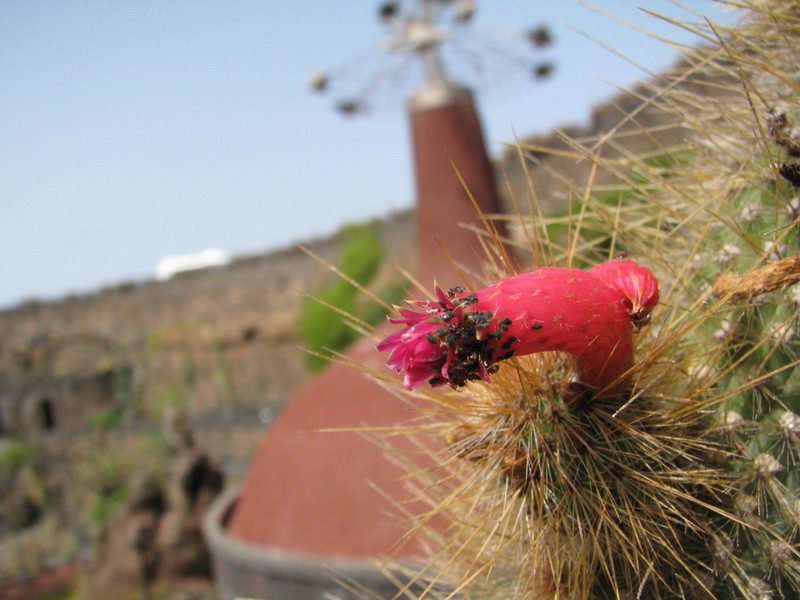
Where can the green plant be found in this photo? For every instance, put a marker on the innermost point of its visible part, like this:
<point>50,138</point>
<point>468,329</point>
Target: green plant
<point>321,324</point>
<point>222,377</point>
<point>14,454</point>
<point>108,419</point>
<point>174,394</point>
<point>105,504</point>
<point>361,253</point>
<point>393,294</point>
<point>154,340</point>
<point>103,474</point>
<point>322,327</point>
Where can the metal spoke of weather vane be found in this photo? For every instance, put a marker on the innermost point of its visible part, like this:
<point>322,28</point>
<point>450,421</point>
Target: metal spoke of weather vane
<point>430,41</point>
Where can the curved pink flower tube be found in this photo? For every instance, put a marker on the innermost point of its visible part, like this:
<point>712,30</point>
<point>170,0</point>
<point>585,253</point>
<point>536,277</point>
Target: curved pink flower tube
<point>589,314</point>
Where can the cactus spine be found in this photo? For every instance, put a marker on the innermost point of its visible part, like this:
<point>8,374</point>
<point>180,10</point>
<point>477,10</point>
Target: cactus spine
<point>685,483</point>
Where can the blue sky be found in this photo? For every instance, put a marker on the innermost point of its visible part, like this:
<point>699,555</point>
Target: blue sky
<point>131,130</point>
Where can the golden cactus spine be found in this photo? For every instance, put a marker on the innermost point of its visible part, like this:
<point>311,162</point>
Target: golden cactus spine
<point>685,484</point>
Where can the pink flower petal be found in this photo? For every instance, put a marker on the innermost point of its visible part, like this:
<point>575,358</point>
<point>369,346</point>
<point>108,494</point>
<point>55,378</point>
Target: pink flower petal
<point>590,314</point>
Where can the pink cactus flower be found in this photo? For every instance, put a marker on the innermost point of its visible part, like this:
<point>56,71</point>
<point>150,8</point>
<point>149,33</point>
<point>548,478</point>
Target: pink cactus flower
<point>589,314</point>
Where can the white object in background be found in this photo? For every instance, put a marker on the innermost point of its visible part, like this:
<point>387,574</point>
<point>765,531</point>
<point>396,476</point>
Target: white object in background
<point>169,266</point>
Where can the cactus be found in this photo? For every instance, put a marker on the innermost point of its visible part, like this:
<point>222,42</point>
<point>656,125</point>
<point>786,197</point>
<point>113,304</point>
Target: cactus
<point>681,479</point>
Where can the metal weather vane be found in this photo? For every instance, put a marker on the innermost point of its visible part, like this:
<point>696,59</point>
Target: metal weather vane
<point>427,41</point>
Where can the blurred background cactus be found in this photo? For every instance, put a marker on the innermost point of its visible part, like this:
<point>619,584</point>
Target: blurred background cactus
<point>320,325</point>
<point>685,485</point>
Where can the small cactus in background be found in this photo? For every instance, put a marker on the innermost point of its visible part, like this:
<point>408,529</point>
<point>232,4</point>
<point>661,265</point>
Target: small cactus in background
<point>670,469</point>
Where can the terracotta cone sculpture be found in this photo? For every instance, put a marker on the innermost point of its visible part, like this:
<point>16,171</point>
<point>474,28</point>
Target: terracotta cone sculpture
<point>317,489</point>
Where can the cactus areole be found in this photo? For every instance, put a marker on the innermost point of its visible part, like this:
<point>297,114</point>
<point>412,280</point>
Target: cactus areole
<point>591,315</point>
